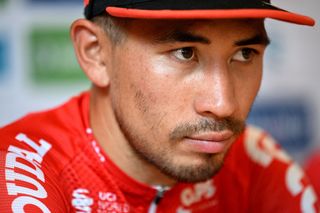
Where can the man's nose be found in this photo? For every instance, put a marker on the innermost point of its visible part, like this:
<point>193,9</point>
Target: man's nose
<point>217,96</point>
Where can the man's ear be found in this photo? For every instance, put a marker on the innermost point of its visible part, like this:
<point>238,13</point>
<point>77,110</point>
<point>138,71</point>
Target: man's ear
<point>91,46</point>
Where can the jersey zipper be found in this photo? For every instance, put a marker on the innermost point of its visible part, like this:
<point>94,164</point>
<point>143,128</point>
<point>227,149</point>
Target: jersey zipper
<point>160,191</point>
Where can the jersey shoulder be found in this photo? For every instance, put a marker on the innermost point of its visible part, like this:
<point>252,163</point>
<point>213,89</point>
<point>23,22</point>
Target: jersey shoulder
<point>33,152</point>
<point>267,174</point>
<point>312,166</point>
<point>63,127</point>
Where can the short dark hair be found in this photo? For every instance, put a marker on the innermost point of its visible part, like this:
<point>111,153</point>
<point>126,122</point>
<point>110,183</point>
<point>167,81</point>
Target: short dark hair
<point>112,26</point>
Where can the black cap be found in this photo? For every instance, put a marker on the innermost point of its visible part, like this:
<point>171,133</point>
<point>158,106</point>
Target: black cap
<point>192,9</point>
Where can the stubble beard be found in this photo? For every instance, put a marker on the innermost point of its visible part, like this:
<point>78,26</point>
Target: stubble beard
<point>163,159</point>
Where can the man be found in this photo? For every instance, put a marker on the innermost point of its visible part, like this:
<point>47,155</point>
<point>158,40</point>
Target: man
<point>163,127</point>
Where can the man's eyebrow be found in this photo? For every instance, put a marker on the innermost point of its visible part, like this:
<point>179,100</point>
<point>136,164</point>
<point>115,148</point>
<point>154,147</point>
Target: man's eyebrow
<point>262,39</point>
<point>185,36</point>
<point>181,36</point>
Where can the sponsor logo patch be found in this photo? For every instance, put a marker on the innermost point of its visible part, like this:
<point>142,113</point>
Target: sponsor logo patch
<point>24,177</point>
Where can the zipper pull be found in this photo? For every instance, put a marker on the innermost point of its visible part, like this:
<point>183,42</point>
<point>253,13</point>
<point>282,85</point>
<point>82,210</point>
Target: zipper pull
<point>160,191</point>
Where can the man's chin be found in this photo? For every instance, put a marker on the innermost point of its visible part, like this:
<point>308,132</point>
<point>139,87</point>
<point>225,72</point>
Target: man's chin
<point>195,173</point>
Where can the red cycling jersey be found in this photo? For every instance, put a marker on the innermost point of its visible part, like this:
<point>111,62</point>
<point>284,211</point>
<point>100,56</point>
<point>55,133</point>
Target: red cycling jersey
<point>312,168</point>
<point>51,162</point>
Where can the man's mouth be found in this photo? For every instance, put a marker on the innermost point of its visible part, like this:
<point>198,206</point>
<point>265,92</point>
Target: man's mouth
<point>208,142</point>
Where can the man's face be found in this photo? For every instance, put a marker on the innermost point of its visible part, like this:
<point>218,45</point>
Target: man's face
<point>181,91</point>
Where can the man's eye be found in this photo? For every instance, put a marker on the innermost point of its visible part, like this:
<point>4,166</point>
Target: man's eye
<point>184,54</point>
<point>244,55</point>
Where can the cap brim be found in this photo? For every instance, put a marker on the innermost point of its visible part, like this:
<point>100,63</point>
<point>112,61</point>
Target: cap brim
<point>211,14</point>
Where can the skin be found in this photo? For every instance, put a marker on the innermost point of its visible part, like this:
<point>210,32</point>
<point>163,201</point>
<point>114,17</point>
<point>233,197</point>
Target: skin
<point>158,94</point>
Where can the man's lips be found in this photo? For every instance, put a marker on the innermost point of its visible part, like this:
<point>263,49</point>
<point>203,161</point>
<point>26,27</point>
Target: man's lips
<point>211,142</point>
<point>212,136</point>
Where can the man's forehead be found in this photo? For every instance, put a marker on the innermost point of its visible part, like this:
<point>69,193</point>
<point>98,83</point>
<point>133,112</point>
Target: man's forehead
<point>194,24</point>
<point>163,31</point>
